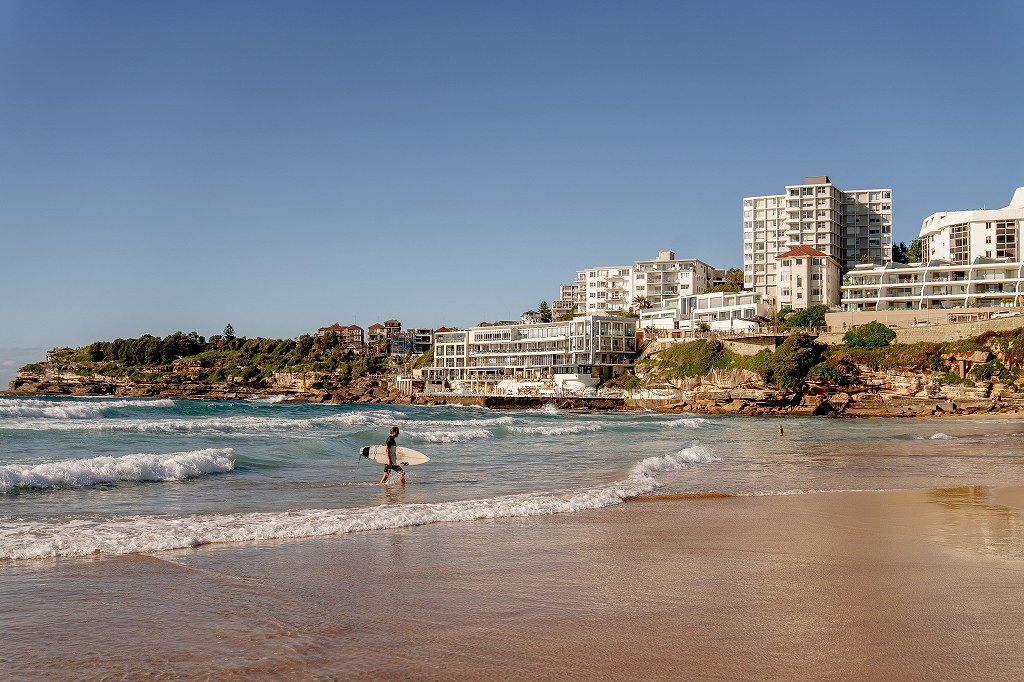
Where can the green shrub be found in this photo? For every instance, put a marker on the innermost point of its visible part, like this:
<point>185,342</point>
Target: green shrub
<point>811,317</point>
<point>870,335</point>
<point>793,359</point>
<point>835,372</point>
<point>693,359</point>
<point>627,382</point>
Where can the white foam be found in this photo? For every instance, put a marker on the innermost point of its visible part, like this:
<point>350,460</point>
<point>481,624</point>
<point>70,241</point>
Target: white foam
<point>566,430</point>
<point>448,436</point>
<point>689,422</point>
<point>936,436</point>
<point>143,467</point>
<point>270,400</point>
<point>77,409</point>
<point>126,535</point>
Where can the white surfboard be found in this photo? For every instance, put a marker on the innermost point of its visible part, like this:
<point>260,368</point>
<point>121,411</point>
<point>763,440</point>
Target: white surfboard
<point>406,457</point>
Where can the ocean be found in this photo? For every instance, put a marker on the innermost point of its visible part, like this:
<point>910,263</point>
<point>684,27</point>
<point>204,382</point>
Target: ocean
<point>94,477</point>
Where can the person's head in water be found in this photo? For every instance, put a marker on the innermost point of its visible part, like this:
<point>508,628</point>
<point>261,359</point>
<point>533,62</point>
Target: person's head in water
<point>394,430</point>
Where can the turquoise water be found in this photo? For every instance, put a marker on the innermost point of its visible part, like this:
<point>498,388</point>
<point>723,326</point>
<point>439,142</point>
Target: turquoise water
<point>114,476</point>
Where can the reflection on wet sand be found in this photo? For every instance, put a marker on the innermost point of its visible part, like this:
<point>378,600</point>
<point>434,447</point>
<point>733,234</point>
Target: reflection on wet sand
<point>978,519</point>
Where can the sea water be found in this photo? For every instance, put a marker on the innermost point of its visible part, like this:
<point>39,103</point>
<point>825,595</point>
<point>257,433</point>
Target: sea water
<point>101,476</point>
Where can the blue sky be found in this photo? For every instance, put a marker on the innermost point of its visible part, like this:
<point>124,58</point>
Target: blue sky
<point>286,165</point>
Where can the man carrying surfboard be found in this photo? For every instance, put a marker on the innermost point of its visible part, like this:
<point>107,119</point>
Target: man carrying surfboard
<point>391,465</point>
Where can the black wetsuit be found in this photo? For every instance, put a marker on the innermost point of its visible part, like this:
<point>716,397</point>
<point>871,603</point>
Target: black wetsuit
<point>390,443</point>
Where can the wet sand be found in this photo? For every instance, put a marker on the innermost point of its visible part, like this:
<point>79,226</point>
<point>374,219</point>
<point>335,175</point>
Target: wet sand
<point>875,585</point>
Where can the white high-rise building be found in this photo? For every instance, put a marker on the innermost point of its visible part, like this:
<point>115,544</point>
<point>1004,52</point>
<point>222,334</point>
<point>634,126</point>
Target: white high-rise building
<point>851,226</point>
<point>614,289</point>
<point>970,259</point>
<point>666,277</point>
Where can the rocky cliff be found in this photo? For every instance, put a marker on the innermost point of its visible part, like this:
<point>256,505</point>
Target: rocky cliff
<point>303,387</point>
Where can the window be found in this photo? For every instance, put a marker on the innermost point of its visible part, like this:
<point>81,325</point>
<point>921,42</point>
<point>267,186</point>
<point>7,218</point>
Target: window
<point>799,261</point>
<point>959,243</point>
<point>1006,239</point>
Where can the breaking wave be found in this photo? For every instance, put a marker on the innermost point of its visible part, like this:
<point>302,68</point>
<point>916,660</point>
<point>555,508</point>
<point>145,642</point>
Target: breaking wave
<point>79,409</point>
<point>689,422</point>
<point>126,535</point>
<point>555,430</point>
<point>448,436</point>
<point>76,473</point>
<point>936,436</point>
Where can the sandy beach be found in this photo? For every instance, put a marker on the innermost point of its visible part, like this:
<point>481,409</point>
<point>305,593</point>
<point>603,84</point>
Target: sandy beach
<point>925,584</point>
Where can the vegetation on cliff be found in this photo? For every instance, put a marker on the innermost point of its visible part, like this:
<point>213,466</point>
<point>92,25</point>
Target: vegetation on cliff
<point>799,359</point>
<point>179,357</point>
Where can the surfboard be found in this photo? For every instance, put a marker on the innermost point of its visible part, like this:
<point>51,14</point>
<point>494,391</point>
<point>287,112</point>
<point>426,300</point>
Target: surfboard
<point>406,457</point>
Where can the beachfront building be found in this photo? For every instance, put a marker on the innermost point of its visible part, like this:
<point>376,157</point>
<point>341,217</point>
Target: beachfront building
<point>568,299</point>
<point>576,353</point>
<point>666,277</point>
<point>971,259</point>
<point>721,311</point>
<point>807,277</point>
<point>615,289</point>
<point>414,341</point>
<point>850,226</point>
<point>604,289</point>
<point>350,337</point>
<point>732,311</point>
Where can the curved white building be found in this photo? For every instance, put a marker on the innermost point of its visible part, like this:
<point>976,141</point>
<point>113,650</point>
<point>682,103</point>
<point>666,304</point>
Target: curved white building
<point>971,259</point>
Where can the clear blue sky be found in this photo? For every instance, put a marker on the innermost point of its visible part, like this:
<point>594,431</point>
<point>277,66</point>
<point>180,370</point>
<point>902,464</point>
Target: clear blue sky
<point>285,165</point>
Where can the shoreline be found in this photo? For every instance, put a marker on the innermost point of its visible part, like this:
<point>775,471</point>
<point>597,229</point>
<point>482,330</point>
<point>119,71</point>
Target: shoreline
<point>919,584</point>
<point>799,405</point>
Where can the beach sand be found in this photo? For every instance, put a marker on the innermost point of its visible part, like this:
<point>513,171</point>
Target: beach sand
<point>922,585</point>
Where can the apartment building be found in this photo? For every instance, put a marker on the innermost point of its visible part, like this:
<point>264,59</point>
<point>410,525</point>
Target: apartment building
<point>350,337</point>
<point>850,226</point>
<point>807,277</point>
<point>583,350</point>
<point>604,289</point>
<point>567,301</point>
<point>613,289</point>
<point>666,277</point>
<point>722,311</point>
<point>970,259</point>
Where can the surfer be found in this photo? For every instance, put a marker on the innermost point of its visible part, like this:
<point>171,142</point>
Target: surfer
<point>391,466</point>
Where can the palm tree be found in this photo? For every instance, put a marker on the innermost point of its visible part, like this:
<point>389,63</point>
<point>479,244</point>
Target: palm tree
<point>641,302</point>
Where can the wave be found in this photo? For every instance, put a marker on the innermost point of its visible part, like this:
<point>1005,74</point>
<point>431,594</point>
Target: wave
<point>555,430</point>
<point>143,467</point>
<point>448,436</point>
<point>78,409</point>
<point>689,422</point>
<point>935,436</point>
<point>127,535</point>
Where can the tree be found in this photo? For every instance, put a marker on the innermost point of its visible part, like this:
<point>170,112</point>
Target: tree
<point>901,253</point>
<point>641,302</point>
<point>811,317</point>
<point>914,254</point>
<point>788,366</point>
<point>544,311</point>
<point>229,332</point>
<point>870,335</point>
<point>733,281</point>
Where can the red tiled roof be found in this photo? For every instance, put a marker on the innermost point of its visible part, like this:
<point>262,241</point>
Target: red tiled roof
<point>376,325</point>
<point>802,250</point>
<point>443,329</point>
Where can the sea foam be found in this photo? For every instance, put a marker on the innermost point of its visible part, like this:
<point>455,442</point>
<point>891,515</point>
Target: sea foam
<point>126,535</point>
<point>79,409</point>
<point>143,467</point>
<point>564,430</point>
